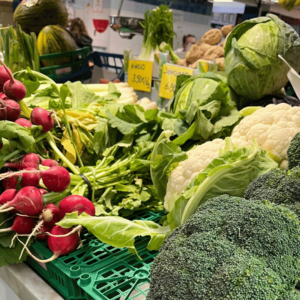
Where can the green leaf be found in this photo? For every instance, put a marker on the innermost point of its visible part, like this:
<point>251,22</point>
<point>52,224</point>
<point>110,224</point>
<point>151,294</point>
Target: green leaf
<point>165,156</point>
<point>118,232</point>
<point>112,94</point>
<point>11,255</point>
<point>17,135</point>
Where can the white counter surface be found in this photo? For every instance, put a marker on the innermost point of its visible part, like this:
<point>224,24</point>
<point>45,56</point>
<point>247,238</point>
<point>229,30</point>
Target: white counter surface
<point>24,284</point>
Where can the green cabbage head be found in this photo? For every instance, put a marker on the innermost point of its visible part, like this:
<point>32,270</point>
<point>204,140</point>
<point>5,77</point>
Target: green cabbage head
<point>251,56</point>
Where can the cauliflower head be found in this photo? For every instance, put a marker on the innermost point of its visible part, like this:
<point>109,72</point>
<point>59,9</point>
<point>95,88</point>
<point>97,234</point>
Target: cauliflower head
<point>273,128</point>
<point>198,159</point>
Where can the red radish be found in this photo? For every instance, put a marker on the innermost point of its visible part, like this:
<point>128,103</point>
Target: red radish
<point>30,179</point>
<point>10,183</point>
<point>23,122</point>
<point>76,203</point>
<point>1,146</point>
<point>21,225</point>
<point>28,201</point>
<point>12,88</point>
<point>43,192</point>
<point>9,110</point>
<point>42,117</point>
<point>8,195</point>
<point>2,95</point>
<point>42,234</point>
<point>56,179</point>
<point>30,160</point>
<point>49,163</point>
<point>59,245</point>
<point>50,215</point>
<point>3,77</point>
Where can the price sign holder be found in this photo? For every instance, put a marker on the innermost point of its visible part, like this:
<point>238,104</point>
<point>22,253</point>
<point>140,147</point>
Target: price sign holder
<point>140,75</point>
<point>168,79</point>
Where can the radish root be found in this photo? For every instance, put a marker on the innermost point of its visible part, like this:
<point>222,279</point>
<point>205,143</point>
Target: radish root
<point>5,210</point>
<point>8,219</point>
<point>35,258</point>
<point>11,174</point>
<point>36,228</point>
<point>77,228</point>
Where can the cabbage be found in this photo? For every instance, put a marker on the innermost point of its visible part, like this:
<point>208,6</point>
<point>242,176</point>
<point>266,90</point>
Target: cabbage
<point>251,56</point>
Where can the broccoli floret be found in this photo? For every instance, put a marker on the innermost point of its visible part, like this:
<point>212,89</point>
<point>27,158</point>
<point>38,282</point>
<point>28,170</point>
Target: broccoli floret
<point>231,248</point>
<point>293,153</point>
<point>280,187</point>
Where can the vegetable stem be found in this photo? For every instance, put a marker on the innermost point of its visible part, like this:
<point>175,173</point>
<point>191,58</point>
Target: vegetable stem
<point>61,156</point>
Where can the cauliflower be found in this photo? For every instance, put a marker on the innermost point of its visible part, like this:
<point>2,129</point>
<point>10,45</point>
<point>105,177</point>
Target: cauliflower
<point>198,159</point>
<point>273,128</point>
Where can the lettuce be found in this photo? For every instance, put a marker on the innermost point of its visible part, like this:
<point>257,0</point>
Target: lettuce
<point>229,173</point>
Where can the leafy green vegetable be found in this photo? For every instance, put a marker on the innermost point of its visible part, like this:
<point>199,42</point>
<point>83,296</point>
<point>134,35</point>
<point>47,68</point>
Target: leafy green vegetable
<point>231,172</point>
<point>117,231</point>
<point>158,28</point>
<point>206,107</point>
<point>251,57</point>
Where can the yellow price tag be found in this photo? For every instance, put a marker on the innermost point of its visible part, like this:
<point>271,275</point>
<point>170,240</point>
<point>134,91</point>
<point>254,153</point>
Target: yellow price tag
<point>168,79</point>
<point>140,75</point>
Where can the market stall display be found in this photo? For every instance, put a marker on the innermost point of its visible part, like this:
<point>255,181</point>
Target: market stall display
<point>89,172</point>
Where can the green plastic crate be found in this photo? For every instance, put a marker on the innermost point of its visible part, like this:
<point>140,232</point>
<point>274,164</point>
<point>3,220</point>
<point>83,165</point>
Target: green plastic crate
<point>125,279</point>
<point>65,273</point>
<point>56,72</point>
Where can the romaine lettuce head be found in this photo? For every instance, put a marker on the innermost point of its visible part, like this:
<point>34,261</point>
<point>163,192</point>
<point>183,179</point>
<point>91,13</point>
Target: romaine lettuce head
<point>251,56</point>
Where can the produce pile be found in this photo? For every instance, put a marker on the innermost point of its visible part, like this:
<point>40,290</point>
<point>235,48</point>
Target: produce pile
<point>210,47</point>
<point>228,179</point>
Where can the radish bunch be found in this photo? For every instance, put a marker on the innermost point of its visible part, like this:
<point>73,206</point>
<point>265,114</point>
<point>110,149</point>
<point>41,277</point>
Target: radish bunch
<point>11,91</point>
<point>62,241</point>
<point>56,178</point>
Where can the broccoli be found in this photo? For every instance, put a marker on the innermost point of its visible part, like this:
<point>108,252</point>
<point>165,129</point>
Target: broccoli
<point>279,186</point>
<point>231,248</point>
<point>293,153</point>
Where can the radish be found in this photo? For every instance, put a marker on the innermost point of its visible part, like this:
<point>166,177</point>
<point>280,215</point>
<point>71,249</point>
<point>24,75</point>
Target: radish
<point>1,146</point>
<point>21,225</point>
<point>9,110</point>
<point>2,95</point>
<point>12,88</point>
<point>30,179</point>
<point>10,183</point>
<point>23,122</point>
<point>43,192</point>
<point>30,160</point>
<point>56,179</point>
<point>42,117</point>
<point>49,163</point>
<point>76,203</point>
<point>50,215</point>
<point>8,195</point>
<point>3,77</point>
<point>48,218</point>
<point>28,201</point>
<point>61,241</point>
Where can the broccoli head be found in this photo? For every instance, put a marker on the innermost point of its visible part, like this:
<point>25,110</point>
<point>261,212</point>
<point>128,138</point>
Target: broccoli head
<point>231,248</point>
<point>293,153</point>
<point>279,186</point>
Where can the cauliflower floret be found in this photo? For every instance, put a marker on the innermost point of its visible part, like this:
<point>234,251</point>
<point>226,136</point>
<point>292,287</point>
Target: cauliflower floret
<point>273,128</point>
<point>198,159</point>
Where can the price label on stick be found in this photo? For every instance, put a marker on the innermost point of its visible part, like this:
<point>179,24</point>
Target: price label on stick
<point>140,75</point>
<point>168,79</point>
